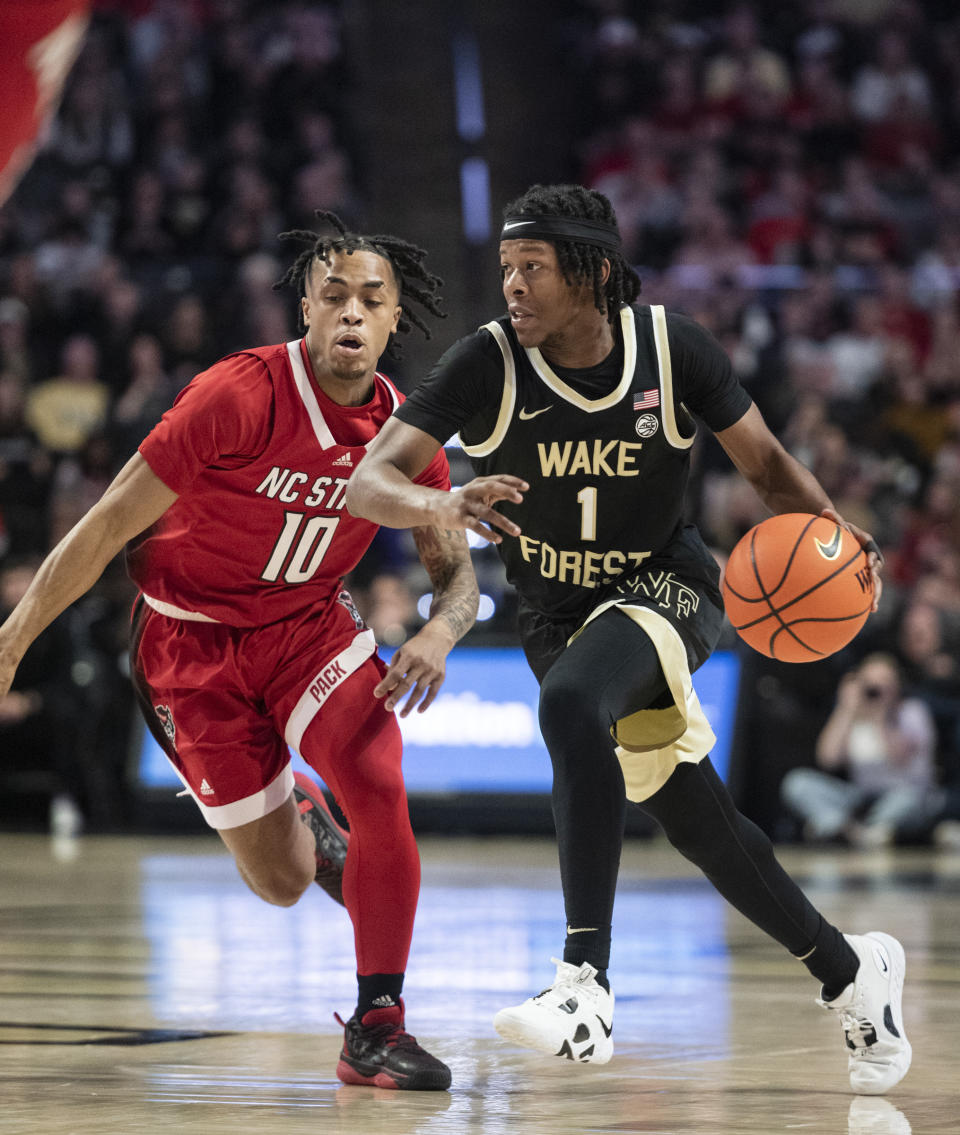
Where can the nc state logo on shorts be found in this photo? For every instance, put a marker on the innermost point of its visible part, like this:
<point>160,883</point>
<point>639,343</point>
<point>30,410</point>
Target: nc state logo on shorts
<point>165,717</point>
<point>345,599</point>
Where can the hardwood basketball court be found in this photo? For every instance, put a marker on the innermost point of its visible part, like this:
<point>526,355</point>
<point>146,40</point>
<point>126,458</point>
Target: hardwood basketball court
<point>143,989</point>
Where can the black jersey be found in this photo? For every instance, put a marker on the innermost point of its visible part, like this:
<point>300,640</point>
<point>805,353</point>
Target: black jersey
<point>606,450</point>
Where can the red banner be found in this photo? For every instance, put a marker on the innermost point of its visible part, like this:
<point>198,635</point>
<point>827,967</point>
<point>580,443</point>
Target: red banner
<point>39,41</point>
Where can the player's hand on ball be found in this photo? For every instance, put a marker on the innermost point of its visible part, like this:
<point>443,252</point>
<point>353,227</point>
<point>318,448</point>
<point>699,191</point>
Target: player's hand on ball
<point>798,587</point>
<point>869,545</point>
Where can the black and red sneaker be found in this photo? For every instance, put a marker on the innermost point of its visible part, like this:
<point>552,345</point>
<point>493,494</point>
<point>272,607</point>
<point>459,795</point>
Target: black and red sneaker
<point>378,1052</point>
<point>331,840</point>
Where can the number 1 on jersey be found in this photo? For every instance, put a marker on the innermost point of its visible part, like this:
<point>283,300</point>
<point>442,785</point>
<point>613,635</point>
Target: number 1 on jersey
<point>588,513</point>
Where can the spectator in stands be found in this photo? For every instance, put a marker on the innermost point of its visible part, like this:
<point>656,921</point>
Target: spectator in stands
<point>712,252</point>
<point>641,191</point>
<point>876,772</point>
<point>856,352</point>
<point>148,394</point>
<point>64,411</point>
<point>25,477</point>
<point>891,75</point>
<point>744,63</point>
<point>927,532</point>
<point>926,659</point>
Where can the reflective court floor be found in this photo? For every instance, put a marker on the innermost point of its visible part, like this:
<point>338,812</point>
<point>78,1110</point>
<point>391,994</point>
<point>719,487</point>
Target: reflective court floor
<point>143,989</point>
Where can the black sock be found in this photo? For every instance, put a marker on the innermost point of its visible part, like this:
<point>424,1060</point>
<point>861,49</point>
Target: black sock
<point>378,991</point>
<point>589,945</point>
<point>832,961</point>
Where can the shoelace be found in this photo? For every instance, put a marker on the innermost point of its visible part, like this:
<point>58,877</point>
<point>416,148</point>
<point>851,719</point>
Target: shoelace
<point>392,1037</point>
<point>857,1029</point>
<point>567,985</point>
<point>367,1037</point>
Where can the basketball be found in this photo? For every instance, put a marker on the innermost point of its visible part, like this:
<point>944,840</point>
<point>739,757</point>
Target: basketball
<point>797,587</point>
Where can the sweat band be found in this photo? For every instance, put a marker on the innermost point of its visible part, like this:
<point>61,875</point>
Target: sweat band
<point>561,228</point>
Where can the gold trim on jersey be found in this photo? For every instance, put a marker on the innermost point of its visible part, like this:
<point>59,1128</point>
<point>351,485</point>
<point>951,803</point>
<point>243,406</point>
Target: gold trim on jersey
<point>670,430</point>
<point>652,742</point>
<point>591,406</point>
<point>553,381</point>
<point>507,401</point>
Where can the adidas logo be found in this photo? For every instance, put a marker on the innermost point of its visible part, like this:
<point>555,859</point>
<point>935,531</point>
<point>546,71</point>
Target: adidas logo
<point>205,789</point>
<point>384,1001</point>
<point>346,459</point>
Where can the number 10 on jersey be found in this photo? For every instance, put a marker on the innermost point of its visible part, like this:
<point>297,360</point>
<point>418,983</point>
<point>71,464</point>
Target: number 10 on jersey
<point>308,542</point>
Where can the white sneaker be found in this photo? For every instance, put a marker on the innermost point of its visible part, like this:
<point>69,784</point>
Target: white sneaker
<point>573,1018</point>
<point>871,1015</point>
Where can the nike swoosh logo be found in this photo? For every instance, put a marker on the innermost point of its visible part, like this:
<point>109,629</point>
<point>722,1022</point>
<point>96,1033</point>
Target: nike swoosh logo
<point>832,550</point>
<point>516,225</point>
<point>526,415</point>
<point>607,1030</point>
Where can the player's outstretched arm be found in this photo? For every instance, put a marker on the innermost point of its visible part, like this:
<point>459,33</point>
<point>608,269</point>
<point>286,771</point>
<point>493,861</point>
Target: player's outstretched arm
<point>382,488</point>
<point>419,665</point>
<point>135,499</point>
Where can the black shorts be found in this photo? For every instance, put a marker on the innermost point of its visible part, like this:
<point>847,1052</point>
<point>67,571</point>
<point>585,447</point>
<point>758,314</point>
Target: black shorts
<point>681,584</point>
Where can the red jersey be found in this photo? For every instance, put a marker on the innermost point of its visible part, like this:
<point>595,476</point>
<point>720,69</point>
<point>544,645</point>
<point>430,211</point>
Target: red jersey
<point>260,458</point>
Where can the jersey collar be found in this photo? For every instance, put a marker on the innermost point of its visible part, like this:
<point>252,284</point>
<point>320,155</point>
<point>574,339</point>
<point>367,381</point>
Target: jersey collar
<point>591,405</point>
<point>308,395</point>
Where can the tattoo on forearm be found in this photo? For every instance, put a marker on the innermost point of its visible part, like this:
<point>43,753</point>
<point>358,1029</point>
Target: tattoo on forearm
<point>445,555</point>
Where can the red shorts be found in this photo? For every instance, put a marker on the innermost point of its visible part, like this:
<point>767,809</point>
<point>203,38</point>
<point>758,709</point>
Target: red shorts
<point>228,703</point>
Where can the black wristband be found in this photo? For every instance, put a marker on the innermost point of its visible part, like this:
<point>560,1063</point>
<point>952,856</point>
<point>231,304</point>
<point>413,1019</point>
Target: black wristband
<point>872,546</point>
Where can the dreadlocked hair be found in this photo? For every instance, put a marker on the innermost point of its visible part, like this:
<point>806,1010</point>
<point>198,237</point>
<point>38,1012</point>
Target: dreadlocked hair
<point>583,263</point>
<point>415,282</point>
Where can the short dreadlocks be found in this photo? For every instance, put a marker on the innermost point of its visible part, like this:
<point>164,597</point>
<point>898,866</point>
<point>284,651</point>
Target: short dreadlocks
<point>582,263</point>
<point>413,280</point>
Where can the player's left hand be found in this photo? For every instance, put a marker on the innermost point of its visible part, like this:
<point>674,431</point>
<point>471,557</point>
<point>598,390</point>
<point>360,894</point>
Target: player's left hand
<point>417,667</point>
<point>869,545</point>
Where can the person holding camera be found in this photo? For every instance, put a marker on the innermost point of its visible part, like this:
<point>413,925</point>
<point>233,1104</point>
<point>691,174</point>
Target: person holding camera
<point>876,774</point>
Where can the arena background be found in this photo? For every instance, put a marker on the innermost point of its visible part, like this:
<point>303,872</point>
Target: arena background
<point>790,178</point>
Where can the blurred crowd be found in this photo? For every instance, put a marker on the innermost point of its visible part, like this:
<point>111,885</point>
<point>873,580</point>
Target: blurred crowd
<point>790,177</point>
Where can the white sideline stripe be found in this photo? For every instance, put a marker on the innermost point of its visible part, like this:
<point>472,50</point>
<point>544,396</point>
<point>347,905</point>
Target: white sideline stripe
<point>250,807</point>
<point>176,612</point>
<point>320,687</point>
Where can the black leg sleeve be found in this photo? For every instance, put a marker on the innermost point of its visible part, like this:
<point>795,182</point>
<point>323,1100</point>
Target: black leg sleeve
<point>611,669</point>
<point>700,819</point>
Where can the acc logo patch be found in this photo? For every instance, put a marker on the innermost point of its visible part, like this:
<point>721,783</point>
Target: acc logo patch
<point>647,425</point>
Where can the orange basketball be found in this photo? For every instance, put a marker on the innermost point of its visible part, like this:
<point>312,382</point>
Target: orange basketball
<point>797,587</point>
